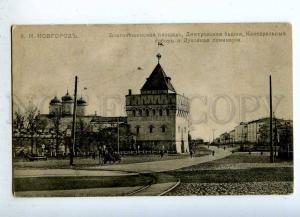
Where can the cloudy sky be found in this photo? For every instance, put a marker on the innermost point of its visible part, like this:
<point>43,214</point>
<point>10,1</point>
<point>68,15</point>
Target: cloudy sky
<point>227,82</point>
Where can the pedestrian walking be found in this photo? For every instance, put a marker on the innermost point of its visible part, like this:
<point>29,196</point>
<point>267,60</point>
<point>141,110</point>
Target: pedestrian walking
<point>213,153</point>
<point>161,154</point>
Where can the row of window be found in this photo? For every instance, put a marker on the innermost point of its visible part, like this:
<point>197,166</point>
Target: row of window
<point>182,113</point>
<point>163,129</point>
<point>152,112</point>
<point>151,102</point>
<point>151,129</point>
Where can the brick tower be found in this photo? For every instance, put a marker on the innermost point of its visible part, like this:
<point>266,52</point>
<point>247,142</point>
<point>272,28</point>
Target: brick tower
<point>158,116</point>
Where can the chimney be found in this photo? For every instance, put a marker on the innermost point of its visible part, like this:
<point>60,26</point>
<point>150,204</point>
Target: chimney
<point>129,91</point>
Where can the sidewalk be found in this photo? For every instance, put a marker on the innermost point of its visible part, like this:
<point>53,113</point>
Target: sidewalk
<point>23,173</point>
<point>167,165</point>
<point>89,192</point>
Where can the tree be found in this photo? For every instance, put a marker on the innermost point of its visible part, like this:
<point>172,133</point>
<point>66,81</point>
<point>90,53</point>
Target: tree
<point>226,137</point>
<point>190,142</point>
<point>32,124</point>
<point>43,123</point>
<point>56,121</point>
<point>98,138</point>
<point>18,128</point>
<point>264,132</point>
<point>82,135</point>
<point>18,121</point>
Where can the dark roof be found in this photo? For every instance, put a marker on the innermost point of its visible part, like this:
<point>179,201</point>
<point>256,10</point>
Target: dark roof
<point>55,100</point>
<point>67,97</point>
<point>81,101</point>
<point>158,80</point>
<point>101,119</point>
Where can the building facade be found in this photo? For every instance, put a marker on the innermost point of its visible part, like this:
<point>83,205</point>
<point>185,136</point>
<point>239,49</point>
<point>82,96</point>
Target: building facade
<point>240,133</point>
<point>158,116</point>
<point>258,131</point>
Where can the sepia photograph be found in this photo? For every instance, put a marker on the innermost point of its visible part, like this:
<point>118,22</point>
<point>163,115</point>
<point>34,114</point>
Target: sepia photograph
<point>152,110</point>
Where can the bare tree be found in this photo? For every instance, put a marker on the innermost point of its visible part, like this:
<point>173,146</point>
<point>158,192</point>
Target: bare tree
<point>18,121</point>
<point>56,121</point>
<point>83,136</point>
<point>99,137</point>
<point>18,128</point>
<point>32,124</point>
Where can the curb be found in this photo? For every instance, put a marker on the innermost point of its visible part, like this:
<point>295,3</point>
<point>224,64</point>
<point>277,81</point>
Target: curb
<point>170,189</point>
<point>138,190</point>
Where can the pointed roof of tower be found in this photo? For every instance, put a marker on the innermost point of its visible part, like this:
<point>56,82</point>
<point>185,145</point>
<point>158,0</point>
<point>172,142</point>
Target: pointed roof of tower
<point>158,80</point>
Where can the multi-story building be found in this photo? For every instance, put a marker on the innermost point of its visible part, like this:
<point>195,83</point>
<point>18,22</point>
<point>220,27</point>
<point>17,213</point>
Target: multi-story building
<point>240,133</point>
<point>254,129</point>
<point>158,115</point>
<point>258,131</point>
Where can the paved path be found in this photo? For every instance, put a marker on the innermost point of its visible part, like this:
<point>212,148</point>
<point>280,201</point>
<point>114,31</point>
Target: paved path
<point>23,173</point>
<point>167,165</point>
<point>90,192</point>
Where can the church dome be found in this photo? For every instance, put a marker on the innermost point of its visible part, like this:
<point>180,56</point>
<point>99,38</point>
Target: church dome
<point>67,97</point>
<point>55,100</point>
<point>81,101</point>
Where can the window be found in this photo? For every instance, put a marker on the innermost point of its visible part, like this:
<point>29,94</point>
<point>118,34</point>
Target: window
<point>134,113</point>
<point>163,128</point>
<point>137,129</point>
<point>160,112</point>
<point>153,112</point>
<point>147,112</point>
<point>167,112</point>
<point>140,112</point>
<point>151,129</point>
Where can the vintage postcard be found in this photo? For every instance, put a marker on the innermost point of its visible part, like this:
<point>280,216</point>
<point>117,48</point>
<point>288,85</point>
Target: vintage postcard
<point>152,109</point>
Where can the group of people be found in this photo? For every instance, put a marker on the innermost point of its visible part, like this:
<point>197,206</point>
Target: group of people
<point>107,156</point>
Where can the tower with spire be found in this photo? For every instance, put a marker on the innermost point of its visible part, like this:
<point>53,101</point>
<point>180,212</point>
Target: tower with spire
<point>158,115</point>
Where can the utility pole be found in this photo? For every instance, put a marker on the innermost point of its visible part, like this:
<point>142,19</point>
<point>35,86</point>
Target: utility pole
<point>118,136</point>
<point>275,135</point>
<point>271,124</point>
<point>73,135</point>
